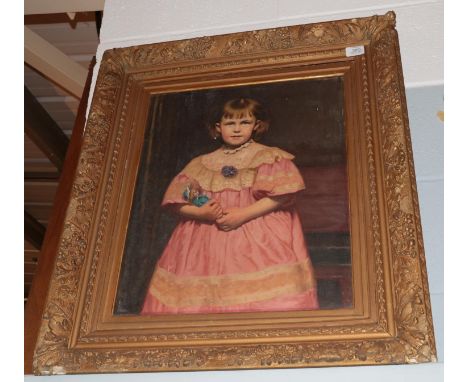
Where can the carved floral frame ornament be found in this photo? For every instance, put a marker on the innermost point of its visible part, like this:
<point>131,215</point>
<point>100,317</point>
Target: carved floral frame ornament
<point>390,321</point>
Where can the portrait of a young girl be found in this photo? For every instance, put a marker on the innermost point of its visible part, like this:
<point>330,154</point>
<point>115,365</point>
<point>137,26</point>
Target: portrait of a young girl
<point>239,244</point>
<point>240,203</point>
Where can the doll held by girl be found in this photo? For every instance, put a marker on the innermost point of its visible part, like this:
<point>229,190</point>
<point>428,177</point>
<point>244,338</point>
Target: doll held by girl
<point>239,246</point>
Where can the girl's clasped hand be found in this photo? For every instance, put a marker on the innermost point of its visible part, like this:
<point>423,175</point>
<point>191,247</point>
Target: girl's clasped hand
<point>210,211</point>
<point>231,218</point>
<point>226,220</point>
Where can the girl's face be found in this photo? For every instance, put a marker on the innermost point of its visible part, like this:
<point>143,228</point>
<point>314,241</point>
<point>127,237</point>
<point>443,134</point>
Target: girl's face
<point>236,131</point>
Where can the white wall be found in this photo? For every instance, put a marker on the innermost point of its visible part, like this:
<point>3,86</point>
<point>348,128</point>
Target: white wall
<point>420,27</point>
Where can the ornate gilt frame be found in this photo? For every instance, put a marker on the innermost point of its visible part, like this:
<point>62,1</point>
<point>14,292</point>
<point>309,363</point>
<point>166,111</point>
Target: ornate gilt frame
<point>390,321</point>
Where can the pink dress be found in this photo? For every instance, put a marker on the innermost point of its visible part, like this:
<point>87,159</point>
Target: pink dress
<point>262,265</point>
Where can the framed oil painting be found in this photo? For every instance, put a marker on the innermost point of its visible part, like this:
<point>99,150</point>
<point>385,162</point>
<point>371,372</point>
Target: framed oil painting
<point>243,201</point>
